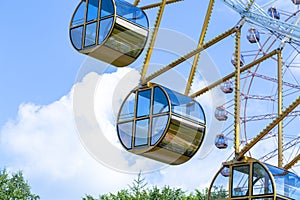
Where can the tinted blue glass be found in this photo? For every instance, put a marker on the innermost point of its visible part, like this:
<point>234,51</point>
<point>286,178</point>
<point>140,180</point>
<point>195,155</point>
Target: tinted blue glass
<point>143,104</point>
<point>92,13</point>
<point>90,34</point>
<point>261,180</point>
<point>185,106</point>
<point>160,101</point>
<point>140,18</point>
<point>76,37</point>
<point>104,29</point>
<point>240,181</point>
<point>125,133</point>
<point>287,183</point>
<point>127,112</point>
<point>195,112</point>
<point>141,132</point>
<point>79,15</point>
<point>107,8</point>
<point>159,125</point>
<point>134,14</point>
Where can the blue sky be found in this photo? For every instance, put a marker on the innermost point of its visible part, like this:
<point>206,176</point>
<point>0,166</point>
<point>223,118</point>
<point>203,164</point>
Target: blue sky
<point>39,72</point>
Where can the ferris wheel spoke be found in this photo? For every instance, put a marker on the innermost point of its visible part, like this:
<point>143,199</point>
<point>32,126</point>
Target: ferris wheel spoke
<point>231,75</point>
<point>286,147</point>
<point>269,128</point>
<point>292,163</point>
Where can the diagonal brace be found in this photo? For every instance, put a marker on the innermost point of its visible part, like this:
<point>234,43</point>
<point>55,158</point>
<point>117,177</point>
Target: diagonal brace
<point>268,128</point>
<point>191,54</point>
<point>229,76</point>
<point>292,163</point>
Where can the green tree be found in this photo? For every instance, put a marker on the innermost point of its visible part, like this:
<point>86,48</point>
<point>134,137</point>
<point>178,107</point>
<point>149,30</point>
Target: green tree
<point>138,191</point>
<point>14,187</point>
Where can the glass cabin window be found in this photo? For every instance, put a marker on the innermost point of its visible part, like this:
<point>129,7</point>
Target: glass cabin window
<point>107,8</point>
<point>240,181</point>
<point>186,106</point>
<point>158,127</point>
<point>287,183</point>
<point>261,180</point>
<point>79,15</point>
<point>220,187</point>
<point>76,36</point>
<point>160,101</point>
<point>92,12</point>
<point>143,104</point>
<point>141,132</point>
<point>104,29</point>
<point>127,112</point>
<point>90,34</point>
<point>131,13</point>
<point>125,133</point>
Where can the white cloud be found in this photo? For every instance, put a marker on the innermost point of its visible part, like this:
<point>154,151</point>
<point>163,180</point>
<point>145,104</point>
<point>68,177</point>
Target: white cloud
<point>44,142</point>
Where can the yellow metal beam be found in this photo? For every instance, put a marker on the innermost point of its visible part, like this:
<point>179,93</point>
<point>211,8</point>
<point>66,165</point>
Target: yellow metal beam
<point>268,128</point>
<point>153,38</point>
<point>191,54</point>
<point>200,43</point>
<point>292,163</point>
<point>136,2</point>
<point>154,5</point>
<point>280,124</point>
<point>229,76</point>
<point>237,92</point>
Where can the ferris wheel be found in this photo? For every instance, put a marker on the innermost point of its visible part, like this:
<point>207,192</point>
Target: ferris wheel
<point>262,112</point>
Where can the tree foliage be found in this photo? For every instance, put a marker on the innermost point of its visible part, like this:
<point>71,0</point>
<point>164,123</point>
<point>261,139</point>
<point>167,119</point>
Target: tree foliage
<point>14,187</point>
<point>138,191</point>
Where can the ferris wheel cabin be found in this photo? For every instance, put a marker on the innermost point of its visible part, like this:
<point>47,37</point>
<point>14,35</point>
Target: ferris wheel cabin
<point>227,87</point>
<point>274,13</point>
<point>253,35</point>
<point>242,60</point>
<point>252,179</point>
<point>221,113</point>
<point>221,141</point>
<point>297,2</point>
<point>112,31</point>
<point>161,124</point>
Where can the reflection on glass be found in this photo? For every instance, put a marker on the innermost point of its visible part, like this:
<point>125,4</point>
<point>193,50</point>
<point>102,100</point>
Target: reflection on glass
<point>287,183</point>
<point>158,127</point>
<point>104,29</point>
<point>143,104</point>
<point>141,132</point>
<point>220,188</point>
<point>127,112</point>
<point>107,8</point>
<point>126,41</point>
<point>261,181</point>
<point>79,15</point>
<point>125,133</point>
<point>76,37</point>
<point>160,103</point>
<point>131,13</point>
<point>92,12</point>
<point>240,181</point>
<point>90,34</point>
<point>185,106</point>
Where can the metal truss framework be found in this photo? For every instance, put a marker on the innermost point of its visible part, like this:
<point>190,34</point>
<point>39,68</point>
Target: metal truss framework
<point>245,8</point>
